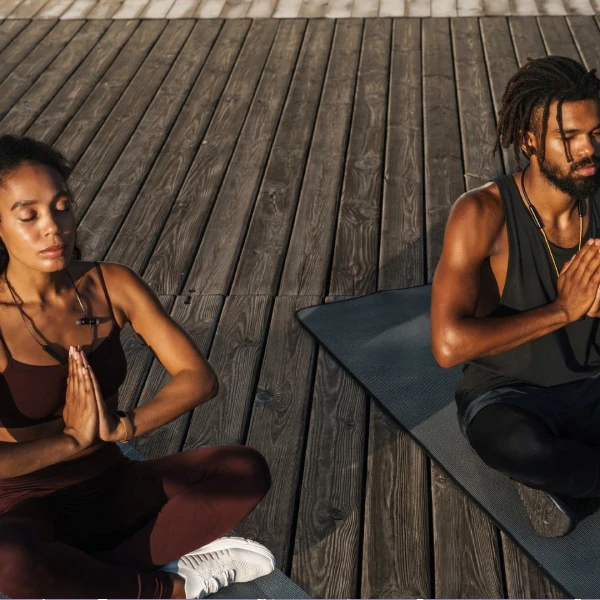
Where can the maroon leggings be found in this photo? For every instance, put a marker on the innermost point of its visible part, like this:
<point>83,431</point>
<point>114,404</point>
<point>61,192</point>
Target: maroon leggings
<point>104,536</point>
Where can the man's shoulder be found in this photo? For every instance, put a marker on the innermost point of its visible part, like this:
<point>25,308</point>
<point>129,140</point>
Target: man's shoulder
<point>480,205</point>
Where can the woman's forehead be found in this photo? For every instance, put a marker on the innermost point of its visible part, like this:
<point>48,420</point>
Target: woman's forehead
<point>31,181</point>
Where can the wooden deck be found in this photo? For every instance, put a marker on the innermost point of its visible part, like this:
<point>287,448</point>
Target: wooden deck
<point>251,168</point>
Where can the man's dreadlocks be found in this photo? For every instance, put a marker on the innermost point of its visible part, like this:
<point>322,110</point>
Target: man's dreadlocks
<point>537,84</point>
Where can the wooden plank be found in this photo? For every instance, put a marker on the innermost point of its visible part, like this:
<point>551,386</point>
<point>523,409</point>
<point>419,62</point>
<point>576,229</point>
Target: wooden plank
<point>444,8</point>
<point>159,85</point>
<point>183,9</point>
<point>525,580</point>
<point>279,419</point>
<point>198,316</point>
<point>328,535</point>
<point>261,260</point>
<point>139,361</point>
<point>9,30</point>
<point>75,91</point>
<point>464,542</point>
<point>130,9</point>
<point>53,9</point>
<point>235,356</point>
<point>551,7</point>
<point>418,8</point>
<point>139,233</point>
<point>477,122</point>
<point>587,40</point>
<point>392,8</point>
<point>19,48</point>
<point>262,9</point>
<point>180,236</point>
<point>7,6</point>
<point>113,193</point>
<point>356,249</point>
<point>557,37</point>
<point>314,9</point>
<point>209,9</point>
<point>37,97</point>
<point>579,7</point>
<point>27,9</point>
<point>396,547</point>
<point>523,8</point>
<point>363,9</point>
<point>105,9</point>
<point>79,9</point>
<point>527,39</point>
<point>339,9</point>
<point>214,264</point>
<point>27,72</point>
<point>82,128</point>
<point>157,9</point>
<point>308,257</point>
<point>443,163</point>
<point>116,131</point>
<point>287,9</point>
<point>496,7</point>
<point>235,9</point>
<point>401,253</point>
<point>470,8</point>
<point>501,66</point>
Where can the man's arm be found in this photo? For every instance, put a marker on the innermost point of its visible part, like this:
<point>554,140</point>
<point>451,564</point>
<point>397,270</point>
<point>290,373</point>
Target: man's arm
<point>457,335</point>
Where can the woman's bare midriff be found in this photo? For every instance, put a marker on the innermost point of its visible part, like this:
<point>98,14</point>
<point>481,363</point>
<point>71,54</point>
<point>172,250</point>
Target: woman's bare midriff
<point>50,428</point>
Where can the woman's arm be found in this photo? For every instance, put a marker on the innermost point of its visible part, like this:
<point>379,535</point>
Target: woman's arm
<point>194,380</point>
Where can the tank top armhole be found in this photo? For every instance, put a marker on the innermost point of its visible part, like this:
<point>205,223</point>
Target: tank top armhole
<point>506,194</point>
<point>8,354</point>
<point>103,283</point>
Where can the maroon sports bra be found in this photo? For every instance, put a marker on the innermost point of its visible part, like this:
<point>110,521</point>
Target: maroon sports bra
<point>34,394</point>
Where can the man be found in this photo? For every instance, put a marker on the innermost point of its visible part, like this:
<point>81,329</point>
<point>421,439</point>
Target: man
<point>516,293</point>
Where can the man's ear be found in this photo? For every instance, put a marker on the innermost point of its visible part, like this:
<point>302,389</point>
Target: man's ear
<point>528,144</point>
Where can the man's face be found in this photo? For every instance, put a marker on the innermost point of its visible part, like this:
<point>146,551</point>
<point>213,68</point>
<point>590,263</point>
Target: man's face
<point>579,178</point>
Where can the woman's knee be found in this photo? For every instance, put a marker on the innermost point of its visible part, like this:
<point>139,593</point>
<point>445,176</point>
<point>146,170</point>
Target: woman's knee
<point>249,465</point>
<point>19,554</point>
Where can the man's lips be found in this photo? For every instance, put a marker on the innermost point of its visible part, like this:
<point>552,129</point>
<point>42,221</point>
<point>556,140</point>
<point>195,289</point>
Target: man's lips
<point>587,170</point>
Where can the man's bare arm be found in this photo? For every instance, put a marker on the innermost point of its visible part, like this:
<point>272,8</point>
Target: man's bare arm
<point>457,335</point>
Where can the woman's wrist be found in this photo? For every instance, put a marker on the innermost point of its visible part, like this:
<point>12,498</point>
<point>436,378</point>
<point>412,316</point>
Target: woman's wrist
<point>124,429</point>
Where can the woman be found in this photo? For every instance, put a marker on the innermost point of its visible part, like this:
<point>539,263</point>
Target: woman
<point>77,518</point>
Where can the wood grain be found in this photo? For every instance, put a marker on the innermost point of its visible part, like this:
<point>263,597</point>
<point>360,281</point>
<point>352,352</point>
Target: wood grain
<point>114,191</point>
<point>260,263</point>
<point>83,126</point>
<point>307,261</point>
<point>38,96</point>
<point>140,231</point>
<point>557,37</point>
<point>74,92</point>
<point>168,267</point>
<point>586,38</point>
<point>477,122</point>
<point>527,39</point>
<point>278,424</point>
<point>105,9</point>
<point>214,264</point>
<point>9,30</point>
<point>443,160</point>
<point>29,69</point>
<point>402,250</point>
<point>356,249</point>
<point>236,356</point>
<point>328,535</point>
<point>27,9</point>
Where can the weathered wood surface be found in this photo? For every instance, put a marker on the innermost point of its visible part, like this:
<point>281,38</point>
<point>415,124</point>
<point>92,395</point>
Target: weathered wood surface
<point>246,169</point>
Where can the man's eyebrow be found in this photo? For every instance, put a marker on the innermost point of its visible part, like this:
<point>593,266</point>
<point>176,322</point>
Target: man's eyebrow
<point>21,203</point>
<point>574,130</point>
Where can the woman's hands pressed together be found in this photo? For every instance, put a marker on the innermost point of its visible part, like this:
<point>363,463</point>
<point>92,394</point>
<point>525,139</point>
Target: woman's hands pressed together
<point>85,414</point>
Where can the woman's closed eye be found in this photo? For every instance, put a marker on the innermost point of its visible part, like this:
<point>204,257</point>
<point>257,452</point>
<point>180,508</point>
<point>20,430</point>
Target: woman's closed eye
<point>35,215</point>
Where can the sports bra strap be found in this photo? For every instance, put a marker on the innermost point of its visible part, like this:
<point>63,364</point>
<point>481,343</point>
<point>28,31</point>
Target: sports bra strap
<point>5,346</point>
<point>105,292</point>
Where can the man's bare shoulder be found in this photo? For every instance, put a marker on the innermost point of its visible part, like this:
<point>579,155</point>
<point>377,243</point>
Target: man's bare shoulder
<point>482,205</point>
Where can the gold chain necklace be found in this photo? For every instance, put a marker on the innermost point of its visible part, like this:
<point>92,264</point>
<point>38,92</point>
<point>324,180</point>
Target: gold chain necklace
<point>538,221</point>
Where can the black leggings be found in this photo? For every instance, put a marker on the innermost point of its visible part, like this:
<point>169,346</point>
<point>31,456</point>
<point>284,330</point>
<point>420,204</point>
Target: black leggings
<point>519,444</point>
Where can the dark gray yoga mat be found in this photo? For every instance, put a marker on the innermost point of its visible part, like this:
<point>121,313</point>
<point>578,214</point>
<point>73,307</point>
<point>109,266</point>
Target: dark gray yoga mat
<point>383,340</point>
<point>275,585</point>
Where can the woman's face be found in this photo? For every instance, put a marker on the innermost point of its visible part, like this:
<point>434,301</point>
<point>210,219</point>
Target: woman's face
<point>36,214</point>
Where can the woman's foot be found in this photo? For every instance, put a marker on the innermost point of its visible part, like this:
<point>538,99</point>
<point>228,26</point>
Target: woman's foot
<point>222,562</point>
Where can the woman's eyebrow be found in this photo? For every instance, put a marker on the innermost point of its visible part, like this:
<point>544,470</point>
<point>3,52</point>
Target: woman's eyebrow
<point>21,203</point>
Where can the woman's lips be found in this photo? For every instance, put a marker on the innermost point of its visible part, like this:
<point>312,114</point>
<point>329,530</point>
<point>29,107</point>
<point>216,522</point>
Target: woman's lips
<point>54,253</point>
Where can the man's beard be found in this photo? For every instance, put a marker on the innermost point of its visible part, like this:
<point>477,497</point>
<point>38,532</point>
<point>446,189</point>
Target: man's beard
<point>579,188</point>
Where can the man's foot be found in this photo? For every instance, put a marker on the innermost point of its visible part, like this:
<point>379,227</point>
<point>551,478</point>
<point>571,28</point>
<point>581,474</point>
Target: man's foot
<point>550,514</point>
<point>222,562</point>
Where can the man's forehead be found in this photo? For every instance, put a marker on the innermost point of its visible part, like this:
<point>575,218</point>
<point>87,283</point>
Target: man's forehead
<point>579,114</point>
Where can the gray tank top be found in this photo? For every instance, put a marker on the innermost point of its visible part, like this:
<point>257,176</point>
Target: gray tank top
<point>563,356</point>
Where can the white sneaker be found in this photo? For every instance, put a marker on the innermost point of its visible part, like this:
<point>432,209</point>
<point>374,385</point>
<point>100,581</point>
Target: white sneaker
<point>222,562</point>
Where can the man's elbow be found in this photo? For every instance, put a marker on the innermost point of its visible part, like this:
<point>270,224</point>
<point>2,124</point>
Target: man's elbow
<point>445,353</point>
<point>213,385</point>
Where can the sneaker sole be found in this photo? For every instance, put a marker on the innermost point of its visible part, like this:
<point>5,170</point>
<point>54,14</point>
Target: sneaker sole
<point>547,519</point>
<point>236,542</point>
